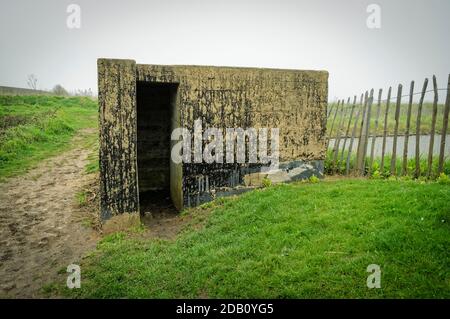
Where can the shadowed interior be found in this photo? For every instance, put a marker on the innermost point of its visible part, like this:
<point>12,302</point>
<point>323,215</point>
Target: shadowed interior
<point>155,103</point>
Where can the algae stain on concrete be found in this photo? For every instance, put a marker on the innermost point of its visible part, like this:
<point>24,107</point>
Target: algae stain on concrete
<point>224,97</point>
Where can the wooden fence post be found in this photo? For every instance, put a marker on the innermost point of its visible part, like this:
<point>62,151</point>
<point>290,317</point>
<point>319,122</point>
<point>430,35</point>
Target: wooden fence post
<point>444,128</point>
<point>433,127</point>
<point>372,147</point>
<point>386,113</point>
<point>332,125</point>
<point>330,110</point>
<point>338,134</point>
<point>366,132</point>
<point>394,144</point>
<point>350,147</point>
<point>419,116</point>
<point>348,128</point>
<point>408,124</point>
<point>361,146</point>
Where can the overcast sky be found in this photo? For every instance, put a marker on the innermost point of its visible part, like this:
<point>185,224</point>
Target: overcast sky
<point>412,43</point>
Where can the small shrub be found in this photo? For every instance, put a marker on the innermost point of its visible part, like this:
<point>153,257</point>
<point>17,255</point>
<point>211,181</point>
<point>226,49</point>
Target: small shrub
<point>406,178</point>
<point>443,179</point>
<point>81,198</point>
<point>314,179</point>
<point>376,166</point>
<point>376,174</point>
<point>266,182</point>
<point>60,90</point>
<point>421,180</point>
<point>392,178</point>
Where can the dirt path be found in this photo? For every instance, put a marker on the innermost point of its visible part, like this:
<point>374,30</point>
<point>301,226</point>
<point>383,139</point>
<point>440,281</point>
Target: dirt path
<point>41,229</point>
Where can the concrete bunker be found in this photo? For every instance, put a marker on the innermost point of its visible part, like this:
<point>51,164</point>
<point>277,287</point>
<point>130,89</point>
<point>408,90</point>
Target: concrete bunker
<point>141,104</point>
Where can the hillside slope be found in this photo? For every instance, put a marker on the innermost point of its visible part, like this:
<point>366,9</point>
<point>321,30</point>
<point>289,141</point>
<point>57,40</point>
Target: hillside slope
<point>289,241</point>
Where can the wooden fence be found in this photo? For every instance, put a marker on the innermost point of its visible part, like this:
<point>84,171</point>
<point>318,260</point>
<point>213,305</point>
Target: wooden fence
<point>352,124</point>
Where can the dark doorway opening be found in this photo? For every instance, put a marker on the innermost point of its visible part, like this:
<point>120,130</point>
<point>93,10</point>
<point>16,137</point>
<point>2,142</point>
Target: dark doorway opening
<point>155,109</point>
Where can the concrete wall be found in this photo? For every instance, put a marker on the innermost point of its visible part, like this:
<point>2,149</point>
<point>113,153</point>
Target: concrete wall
<point>224,97</point>
<point>118,129</point>
<point>293,101</point>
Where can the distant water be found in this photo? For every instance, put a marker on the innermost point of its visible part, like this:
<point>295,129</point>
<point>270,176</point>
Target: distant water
<point>424,144</point>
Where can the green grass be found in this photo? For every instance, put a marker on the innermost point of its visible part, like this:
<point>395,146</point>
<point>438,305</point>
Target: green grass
<point>81,198</point>
<point>340,166</point>
<point>92,143</point>
<point>36,127</point>
<point>304,240</point>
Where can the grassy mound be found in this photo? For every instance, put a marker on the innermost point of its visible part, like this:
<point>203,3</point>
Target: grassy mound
<point>35,127</point>
<point>289,241</point>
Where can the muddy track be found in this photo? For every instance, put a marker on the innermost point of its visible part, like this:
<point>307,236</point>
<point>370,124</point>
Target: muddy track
<point>41,224</point>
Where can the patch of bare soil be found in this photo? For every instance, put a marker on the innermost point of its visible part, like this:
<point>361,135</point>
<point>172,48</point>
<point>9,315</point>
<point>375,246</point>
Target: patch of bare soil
<point>164,222</point>
<point>159,215</point>
<point>42,227</point>
<point>164,225</point>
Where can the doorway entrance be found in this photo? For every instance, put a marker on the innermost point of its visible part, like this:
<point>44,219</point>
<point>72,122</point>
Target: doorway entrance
<point>155,103</point>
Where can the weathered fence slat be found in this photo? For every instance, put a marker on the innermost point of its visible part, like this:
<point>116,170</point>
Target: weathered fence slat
<point>363,117</point>
<point>408,124</point>
<point>330,110</point>
<point>338,133</point>
<point>348,128</point>
<point>332,125</point>
<point>433,127</point>
<point>334,117</point>
<point>350,147</point>
<point>419,117</point>
<point>444,128</point>
<point>366,132</point>
<point>361,140</point>
<point>386,113</point>
<point>372,147</point>
<point>394,144</point>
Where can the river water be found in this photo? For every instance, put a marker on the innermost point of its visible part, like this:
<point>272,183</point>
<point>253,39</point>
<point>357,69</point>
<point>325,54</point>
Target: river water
<point>424,145</point>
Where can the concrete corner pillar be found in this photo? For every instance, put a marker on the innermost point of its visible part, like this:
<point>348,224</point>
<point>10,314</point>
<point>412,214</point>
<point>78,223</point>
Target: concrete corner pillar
<point>118,130</point>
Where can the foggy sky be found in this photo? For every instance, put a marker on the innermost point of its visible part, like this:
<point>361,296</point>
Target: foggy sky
<point>412,43</point>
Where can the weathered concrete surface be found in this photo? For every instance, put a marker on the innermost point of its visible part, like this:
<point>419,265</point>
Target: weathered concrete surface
<point>223,97</point>
<point>118,128</point>
<point>287,172</point>
<point>292,100</point>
